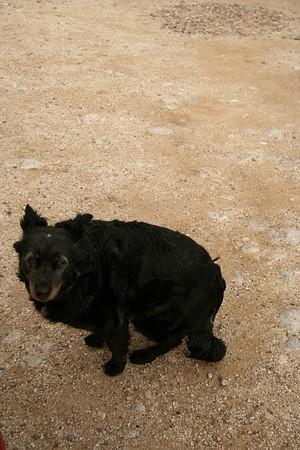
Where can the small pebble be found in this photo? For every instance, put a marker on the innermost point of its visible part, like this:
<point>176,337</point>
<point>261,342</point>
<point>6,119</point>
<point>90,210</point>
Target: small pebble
<point>32,360</point>
<point>293,343</point>
<point>276,133</point>
<point>71,436</point>
<point>161,131</point>
<point>30,164</point>
<point>223,381</point>
<point>291,320</point>
<point>240,277</point>
<point>140,408</point>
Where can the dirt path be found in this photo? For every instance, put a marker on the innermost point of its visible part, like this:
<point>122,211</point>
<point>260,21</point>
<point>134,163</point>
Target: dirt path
<point>185,116</point>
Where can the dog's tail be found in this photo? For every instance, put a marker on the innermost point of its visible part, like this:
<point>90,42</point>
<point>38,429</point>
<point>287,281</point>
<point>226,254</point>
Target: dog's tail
<point>219,286</point>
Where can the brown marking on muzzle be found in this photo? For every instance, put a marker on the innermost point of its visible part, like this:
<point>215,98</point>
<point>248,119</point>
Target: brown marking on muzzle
<point>54,292</point>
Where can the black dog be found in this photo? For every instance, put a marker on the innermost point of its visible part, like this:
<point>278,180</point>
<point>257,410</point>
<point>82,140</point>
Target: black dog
<point>100,275</point>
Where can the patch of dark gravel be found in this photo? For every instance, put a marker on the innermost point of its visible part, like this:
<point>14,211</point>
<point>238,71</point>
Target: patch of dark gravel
<point>231,19</point>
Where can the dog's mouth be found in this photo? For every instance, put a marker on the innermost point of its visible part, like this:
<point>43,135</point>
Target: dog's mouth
<point>44,294</point>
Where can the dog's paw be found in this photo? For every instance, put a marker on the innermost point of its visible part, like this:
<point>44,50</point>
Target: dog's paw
<point>94,340</point>
<point>142,356</point>
<point>218,350</point>
<point>112,369</point>
<point>214,350</point>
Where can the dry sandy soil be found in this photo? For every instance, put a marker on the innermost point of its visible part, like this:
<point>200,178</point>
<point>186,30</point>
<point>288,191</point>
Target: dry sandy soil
<point>180,114</point>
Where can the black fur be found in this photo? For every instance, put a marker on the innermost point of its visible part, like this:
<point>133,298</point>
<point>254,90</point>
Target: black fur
<point>105,274</point>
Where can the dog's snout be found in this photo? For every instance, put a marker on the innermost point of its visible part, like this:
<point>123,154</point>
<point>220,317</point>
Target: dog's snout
<point>43,291</point>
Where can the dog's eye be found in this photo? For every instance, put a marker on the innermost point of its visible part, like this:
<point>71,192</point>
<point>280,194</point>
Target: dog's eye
<point>36,259</point>
<point>33,261</point>
<point>60,262</point>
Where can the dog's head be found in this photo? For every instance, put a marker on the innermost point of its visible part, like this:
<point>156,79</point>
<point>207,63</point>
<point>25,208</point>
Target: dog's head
<point>48,254</point>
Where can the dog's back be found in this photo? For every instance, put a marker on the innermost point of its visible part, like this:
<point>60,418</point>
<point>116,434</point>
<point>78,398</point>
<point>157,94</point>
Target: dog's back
<point>150,251</point>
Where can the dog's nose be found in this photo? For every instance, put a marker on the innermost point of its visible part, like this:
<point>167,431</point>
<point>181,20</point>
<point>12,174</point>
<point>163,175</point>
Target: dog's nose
<point>43,291</point>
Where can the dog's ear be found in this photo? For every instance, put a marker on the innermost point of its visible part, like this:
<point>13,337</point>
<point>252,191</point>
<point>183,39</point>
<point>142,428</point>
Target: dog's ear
<point>32,219</point>
<point>76,226</point>
<point>18,246</point>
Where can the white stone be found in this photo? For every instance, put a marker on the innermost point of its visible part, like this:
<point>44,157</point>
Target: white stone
<point>32,360</point>
<point>276,133</point>
<point>291,320</point>
<point>219,216</point>
<point>256,225</point>
<point>148,394</point>
<point>132,434</point>
<point>162,131</point>
<point>223,381</point>
<point>91,118</point>
<point>170,102</point>
<point>239,277</point>
<point>276,255</point>
<point>140,408</point>
<point>251,248</point>
<point>291,235</point>
<point>28,164</point>
<point>283,360</point>
<point>288,277</point>
<point>293,343</point>
<point>246,157</point>
<point>287,164</point>
<point>269,157</point>
<point>12,337</point>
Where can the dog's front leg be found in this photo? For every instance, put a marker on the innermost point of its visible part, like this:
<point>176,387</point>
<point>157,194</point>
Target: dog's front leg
<point>94,340</point>
<point>117,339</point>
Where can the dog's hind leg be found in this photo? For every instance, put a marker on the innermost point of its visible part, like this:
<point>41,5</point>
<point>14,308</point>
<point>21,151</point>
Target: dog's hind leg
<point>201,341</point>
<point>147,355</point>
<point>204,345</point>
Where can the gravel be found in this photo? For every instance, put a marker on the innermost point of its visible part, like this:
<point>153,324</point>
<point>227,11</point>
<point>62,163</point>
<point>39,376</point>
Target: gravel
<point>104,110</point>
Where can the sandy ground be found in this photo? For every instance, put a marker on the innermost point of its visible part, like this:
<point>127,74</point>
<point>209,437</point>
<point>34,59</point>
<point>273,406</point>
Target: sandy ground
<point>180,114</point>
